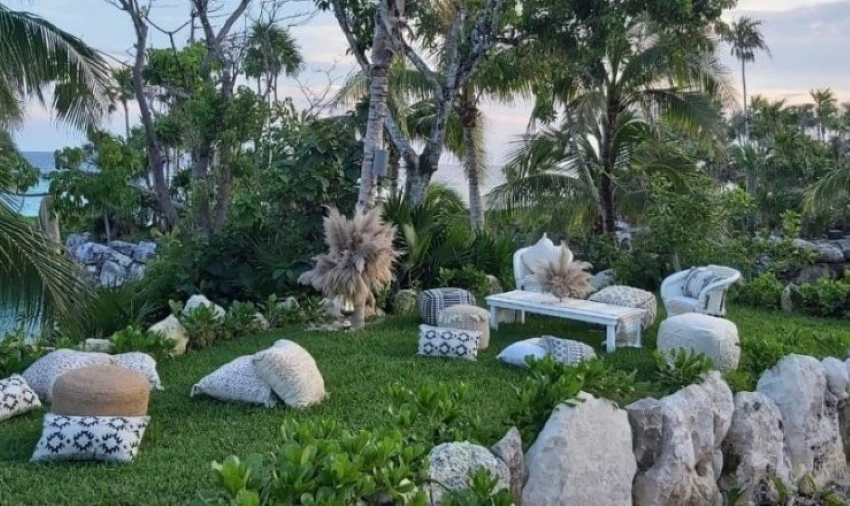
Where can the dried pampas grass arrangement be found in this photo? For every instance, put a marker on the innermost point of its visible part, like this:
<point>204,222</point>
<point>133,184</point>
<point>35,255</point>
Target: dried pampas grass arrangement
<point>564,277</point>
<point>359,260</point>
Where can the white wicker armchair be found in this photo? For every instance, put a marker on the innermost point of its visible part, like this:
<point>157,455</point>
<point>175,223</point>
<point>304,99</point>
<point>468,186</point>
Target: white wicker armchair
<point>706,295</point>
<point>521,270</point>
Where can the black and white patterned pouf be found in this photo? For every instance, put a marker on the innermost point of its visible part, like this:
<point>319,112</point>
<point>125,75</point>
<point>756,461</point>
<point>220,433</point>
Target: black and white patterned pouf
<point>431,302</point>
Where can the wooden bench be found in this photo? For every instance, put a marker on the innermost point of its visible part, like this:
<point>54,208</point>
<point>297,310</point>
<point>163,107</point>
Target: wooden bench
<point>612,317</point>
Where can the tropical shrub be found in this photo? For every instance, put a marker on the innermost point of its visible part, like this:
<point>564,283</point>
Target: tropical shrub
<point>241,319</point>
<point>826,297</point>
<point>202,324</point>
<point>135,339</point>
<point>467,277</point>
<point>114,309</point>
<point>682,368</point>
<point>17,352</point>
<point>764,291</point>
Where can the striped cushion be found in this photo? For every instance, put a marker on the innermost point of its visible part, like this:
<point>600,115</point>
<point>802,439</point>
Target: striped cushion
<point>431,302</point>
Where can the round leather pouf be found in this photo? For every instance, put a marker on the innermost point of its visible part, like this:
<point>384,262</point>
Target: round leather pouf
<point>101,391</point>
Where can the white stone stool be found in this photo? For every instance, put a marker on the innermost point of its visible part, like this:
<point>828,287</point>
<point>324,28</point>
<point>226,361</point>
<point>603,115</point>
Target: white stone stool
<point>717,338</point>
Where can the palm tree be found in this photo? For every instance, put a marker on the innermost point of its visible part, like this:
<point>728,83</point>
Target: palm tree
<point>745,39</point>
<point>624,115</point>
<point>271,51</point>
<point>122,92</point>
<point>825,110</point>
<point>34,54</point>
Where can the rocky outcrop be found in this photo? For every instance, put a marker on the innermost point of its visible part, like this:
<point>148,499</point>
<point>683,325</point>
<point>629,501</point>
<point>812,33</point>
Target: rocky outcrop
<point>682,466</point>
<point>111,264</point>
<point>453,464</point>
<point>798,386</point>
<point>196,301</point>
<point>582,455</point>
<point>171,328</point>
<point>832,259</point>
<point>509,451</point>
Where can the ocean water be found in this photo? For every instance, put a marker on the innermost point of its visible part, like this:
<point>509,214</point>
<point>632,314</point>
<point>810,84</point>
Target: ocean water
<point>43,160</point>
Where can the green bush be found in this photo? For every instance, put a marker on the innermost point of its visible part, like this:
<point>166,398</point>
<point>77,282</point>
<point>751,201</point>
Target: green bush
<point>17,352</point>
<point>241,320</point>
<point>826,297</point>
<point>202,324</point>
<point>683,368</point>
<point>114,309</point>
<point>468,277</point>
<point>764,292</point>
<point>135,339</point>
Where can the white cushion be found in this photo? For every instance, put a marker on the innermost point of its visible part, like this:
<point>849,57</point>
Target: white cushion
<point>530,284</point>
<point>102,438</point>
<point>41,375</point>
<point>516,353</point>
<point>696,280</point>
<point>567,351</point>
<point>542,251</point>
<point>292,374</point>
<point>448,342</point>
<point>16,397</point>
<point>142,363</point>
<point>236,381</point>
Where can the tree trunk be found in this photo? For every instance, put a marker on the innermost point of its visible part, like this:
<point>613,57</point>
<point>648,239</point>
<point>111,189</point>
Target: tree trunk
<point>469,115</point>
<point>126,119</point>
<point>418,179</point>
<point>746,106</point>
<point>382,56</point>
<point>606,199</point>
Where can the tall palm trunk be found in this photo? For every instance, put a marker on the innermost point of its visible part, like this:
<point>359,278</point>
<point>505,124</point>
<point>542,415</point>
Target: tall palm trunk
<point>126,118</point>
<point>469,116</point>
<point>382,57</point>
<point>746,106</point>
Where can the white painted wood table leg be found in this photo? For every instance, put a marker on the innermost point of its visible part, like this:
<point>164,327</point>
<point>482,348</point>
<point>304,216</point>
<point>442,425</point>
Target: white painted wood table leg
<point>522,316</point>
<point>611,338</point>
<point>494,317</point>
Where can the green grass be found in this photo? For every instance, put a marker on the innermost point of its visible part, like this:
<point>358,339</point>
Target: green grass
<point>186,434</point>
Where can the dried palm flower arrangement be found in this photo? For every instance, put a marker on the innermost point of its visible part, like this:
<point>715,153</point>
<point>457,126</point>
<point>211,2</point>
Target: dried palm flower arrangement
<point>564,277</point>
<point>359,259</point>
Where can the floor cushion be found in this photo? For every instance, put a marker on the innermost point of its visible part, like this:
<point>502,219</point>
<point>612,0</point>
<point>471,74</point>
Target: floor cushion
<point>448,342</point>
<point>466,317</point>
<point>292,374</point>
<point>431,302</point>
<point>16,397</point>
<point>101,438</point>
<point>567,351</point>
<point>236,381</point>
<point>627,296</point>
<point>142,363</point>
<point>102,390</point>
<point>516,353</point>
<point>715,337</point>
<point>41,375</point>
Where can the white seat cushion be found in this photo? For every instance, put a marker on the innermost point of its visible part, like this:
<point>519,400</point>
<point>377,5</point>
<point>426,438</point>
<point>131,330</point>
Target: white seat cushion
<point>292,373</point>
<point>696,280</point>
<point>516,353</point>
<point>543,250</point>
<point>236,381</point>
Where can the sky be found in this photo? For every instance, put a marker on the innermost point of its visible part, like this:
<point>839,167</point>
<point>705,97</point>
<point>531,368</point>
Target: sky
<point>808,39</point>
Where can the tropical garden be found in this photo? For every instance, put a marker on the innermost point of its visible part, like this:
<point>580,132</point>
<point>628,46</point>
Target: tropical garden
<point>639,153</point>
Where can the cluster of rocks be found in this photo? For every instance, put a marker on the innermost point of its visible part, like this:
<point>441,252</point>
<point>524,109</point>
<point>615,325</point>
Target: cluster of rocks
<point>111,264</point>
<point>833,259</point>
<point>691,447</point>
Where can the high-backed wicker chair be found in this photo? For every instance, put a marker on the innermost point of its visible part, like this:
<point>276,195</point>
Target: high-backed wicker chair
<point>698,290</point>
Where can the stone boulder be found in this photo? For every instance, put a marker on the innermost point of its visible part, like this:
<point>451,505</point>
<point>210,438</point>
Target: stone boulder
<point>200,300</point>
<point>260,321</point>
<point>453,464</point>
<point>814,272</point>
<point>494,286</point>
<point>684,466</point>
<point>110,265</point>
<point>289,303</point>
<point>754,450</point>
<point>112,275</point>
<point>837,377</point>
<point>143,251</point>
<point>98,345</point>
<point>602,279</point>
<point>582,456</point>
<point>172,329</point>
<point>827,253</point>
<point>509,451</point>
<point>404,302</point>
<point>791,299</point>
<point>844,246</point>
<point>74,241</point>
<point>798,386</point>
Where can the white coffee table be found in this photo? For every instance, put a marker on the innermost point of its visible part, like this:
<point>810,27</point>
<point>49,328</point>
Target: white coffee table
<point>613,317</point>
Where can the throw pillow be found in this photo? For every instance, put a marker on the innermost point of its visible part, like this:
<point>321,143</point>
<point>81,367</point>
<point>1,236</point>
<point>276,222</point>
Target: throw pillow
<point>41,375</point>
<point>16,397</point>
<point>697,280</point>
<point>530,284</point>
<point>543,250</point>
<point>566,351</point>
<point>292,374</point>
<point>236,381</point>
<point>516,353</point>
<point>448,342</point>
<point>141,363</point>
<point>102,438</point>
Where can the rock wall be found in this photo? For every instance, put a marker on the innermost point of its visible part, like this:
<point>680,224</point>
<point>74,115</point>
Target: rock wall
<point>111,264</point>
<point>833,259</point>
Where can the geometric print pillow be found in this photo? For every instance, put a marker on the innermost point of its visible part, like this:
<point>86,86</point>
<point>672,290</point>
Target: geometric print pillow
<point>16,397</point>
<point>102,438</point>
<point>567,351</point>
<point>448,342</point>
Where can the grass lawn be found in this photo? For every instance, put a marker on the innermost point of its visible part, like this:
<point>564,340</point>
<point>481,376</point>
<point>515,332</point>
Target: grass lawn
<point>187,434</point>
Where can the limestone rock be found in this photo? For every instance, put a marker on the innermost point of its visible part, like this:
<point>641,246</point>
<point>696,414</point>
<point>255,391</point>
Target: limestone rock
<point>136,271</point>
<point>798,386</point>
<point>844,426</point>
<point>123,260</point>
<point>123,247</point>
<point>112,275</point>
<point>172,329</point>
<point>754,449</point>
<point>837,377</point>
<point>290,303</point>
<point>814,272</point>
<point>91,253</point>
<point>689,460</point>
<point>829,253</point>
<point>260,321</point>
<point>452,464</point>
<point>583,454</point>
<point>602,279</point>
<point>200,300</point>
<point>717,338</point>
<point>143,251</point>
<point>493,285</point>
<point>791,298</point>
<point>404,302</point>
<point>98,345</point>
<point>844,246</point>
<point>509,451</point>
<point>74,241</point>
<point>646,418</point>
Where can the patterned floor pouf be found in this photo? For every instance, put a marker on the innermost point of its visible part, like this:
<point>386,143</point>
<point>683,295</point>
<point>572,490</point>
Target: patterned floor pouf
<point>627,296</point>
<point>466,317</point>
<point>567,351</point>
<point>431,302</point>
<point>101,391</point>
<point>716,337</point>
